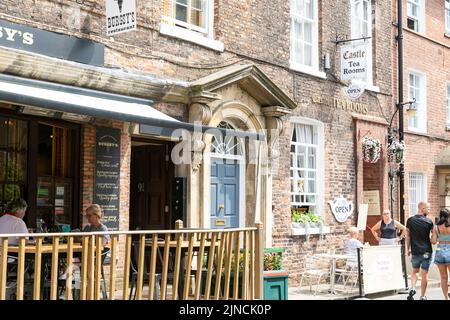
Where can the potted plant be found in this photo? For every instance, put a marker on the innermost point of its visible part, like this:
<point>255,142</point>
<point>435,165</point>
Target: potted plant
<point>299,219</point>
<point>397,151</point>
<point>371,149</point>
<point>275,278</point>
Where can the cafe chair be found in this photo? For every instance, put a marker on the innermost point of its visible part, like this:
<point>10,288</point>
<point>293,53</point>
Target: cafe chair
<point>316,270</point>
<point>11,277</point>
<point>146,271</point>
<point>348,275</point>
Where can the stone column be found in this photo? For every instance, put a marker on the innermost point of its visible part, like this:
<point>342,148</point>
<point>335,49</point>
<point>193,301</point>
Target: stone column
<point>199,113</point>
<point>274,126</point>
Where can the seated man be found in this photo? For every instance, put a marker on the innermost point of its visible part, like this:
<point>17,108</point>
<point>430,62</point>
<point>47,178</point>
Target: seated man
<point>11,221</point>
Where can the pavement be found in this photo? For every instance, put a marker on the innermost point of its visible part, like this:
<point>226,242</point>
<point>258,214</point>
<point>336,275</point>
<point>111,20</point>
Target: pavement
<point>434,292</point>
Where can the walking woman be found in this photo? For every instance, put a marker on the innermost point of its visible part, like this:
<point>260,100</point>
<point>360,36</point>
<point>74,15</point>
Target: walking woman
<point>387,228</point>
<point>441,236</point>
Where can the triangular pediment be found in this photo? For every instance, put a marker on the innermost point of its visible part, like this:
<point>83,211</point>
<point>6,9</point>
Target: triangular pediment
<point>249,78</point>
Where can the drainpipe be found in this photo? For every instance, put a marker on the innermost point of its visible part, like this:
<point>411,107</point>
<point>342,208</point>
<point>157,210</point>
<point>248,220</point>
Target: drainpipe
<point>401,169</point>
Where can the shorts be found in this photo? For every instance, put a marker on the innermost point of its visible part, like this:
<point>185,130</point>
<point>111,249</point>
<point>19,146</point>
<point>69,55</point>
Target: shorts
<point>442,254</point>
<point>421,261</point>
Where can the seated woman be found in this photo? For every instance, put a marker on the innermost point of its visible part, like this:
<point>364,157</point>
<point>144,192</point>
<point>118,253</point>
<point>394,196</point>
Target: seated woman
<point>94,215</point>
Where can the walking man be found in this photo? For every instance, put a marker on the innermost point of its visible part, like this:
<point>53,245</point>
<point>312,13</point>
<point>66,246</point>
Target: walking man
<point>418,244</point>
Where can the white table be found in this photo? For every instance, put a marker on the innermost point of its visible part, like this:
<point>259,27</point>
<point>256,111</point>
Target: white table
<point>333,257</point>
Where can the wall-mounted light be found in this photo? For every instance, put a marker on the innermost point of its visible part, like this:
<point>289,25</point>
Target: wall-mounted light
<point>411,110</point>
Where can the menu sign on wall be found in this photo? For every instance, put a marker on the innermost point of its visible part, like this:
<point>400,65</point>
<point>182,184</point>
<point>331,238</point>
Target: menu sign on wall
<point>107,175</point>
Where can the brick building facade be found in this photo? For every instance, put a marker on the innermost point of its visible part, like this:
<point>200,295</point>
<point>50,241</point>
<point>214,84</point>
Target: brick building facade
<point>244,67</point>
<point>426,73</point>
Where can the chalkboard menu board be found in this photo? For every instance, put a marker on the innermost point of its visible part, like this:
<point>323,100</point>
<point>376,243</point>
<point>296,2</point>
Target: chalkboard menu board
<point>107,175</point>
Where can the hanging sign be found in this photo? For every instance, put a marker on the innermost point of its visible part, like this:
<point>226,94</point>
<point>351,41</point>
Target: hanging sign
<point>120,16</point>
<point>341,208</point>
<point>354,90</point>
<point>354,61</point>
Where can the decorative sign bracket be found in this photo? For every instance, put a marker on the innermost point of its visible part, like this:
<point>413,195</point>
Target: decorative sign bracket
<point>340,39</point>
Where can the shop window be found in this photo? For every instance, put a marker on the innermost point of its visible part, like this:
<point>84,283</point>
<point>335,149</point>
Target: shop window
<point>417,191</point>
<point>13,159</point>
<point>304,36</point>
<point>417,90</point>
<point>361,27</point>
<point>55,174</point>
<point>306,167</point>
<point>416,15</point>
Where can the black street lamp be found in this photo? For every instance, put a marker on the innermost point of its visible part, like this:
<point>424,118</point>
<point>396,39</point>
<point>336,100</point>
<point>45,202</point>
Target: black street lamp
<point>400,104</point>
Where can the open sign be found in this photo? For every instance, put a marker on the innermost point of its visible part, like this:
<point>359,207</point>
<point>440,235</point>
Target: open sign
<point>341,208</point>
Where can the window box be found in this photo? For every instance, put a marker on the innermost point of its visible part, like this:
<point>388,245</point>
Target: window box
<point>301,230</point>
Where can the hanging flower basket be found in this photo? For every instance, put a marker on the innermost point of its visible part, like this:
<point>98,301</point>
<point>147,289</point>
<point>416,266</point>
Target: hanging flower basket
<point>397,151</point>
<point>371,149</point>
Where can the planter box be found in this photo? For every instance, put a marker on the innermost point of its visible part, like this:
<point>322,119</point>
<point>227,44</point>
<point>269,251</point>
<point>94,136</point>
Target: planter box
<point>222,284</point>
<point>276,285</point>
<point>302,231</point>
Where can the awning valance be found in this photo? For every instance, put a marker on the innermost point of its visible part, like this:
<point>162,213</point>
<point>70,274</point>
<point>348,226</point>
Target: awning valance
<point>75,100</point>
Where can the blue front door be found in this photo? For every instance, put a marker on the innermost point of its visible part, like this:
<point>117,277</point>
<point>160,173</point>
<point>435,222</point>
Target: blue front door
<point>224,193</point>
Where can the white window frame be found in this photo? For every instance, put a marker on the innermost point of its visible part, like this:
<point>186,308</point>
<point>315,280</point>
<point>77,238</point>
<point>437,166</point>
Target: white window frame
<point>295,62</point>
<point>447,100</point>
<point>172,27</point>
<point>421,105</point>
<point>447,16</point>
<point>357,18</point>
<point>421,193</point>
<point>420,17</point>
<point>320,165</point>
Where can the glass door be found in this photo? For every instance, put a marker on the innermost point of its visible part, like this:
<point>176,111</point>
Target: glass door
<point>13,159</point>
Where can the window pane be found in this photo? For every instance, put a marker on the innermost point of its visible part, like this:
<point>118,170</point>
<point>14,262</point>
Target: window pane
<point>197,18</point>
<point>312,158</point>
<point>301,154</point>
<point>309,9</point>
<point>181,13</point>
<point>311,186</point>
<point>198,4</point>
<point>300,186</point>
<point>308,55</point>
<point>308,32</point>
<point>3,157</point>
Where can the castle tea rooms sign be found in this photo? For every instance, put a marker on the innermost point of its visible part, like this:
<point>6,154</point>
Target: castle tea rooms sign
<point>354,61</point>
<point>120,16</point>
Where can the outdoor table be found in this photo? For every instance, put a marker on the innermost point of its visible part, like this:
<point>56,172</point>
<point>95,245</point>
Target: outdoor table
<point>333,257</point>
<point>46,251</point>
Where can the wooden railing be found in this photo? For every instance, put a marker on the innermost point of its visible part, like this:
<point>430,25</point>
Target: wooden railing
<point>163,264</point>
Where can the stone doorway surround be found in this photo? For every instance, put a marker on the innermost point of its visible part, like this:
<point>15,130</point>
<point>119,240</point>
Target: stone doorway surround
<point>247,99</point>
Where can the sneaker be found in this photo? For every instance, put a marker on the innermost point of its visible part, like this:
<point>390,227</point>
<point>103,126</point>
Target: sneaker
<point>411,294</point>
<point>423,298</point>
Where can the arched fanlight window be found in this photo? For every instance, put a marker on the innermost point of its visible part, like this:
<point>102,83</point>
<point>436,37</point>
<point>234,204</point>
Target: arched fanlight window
<point>226,145</point>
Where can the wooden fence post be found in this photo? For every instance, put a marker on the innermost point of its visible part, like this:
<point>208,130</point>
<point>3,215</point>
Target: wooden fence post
<point>259,263</point>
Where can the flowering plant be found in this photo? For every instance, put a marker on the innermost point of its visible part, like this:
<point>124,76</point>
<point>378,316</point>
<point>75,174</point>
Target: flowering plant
<point>272,261</point>
<point>397,149</point>
<point>371,149</point>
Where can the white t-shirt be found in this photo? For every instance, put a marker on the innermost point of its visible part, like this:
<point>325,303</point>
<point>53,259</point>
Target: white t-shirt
<point>12,224</point>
